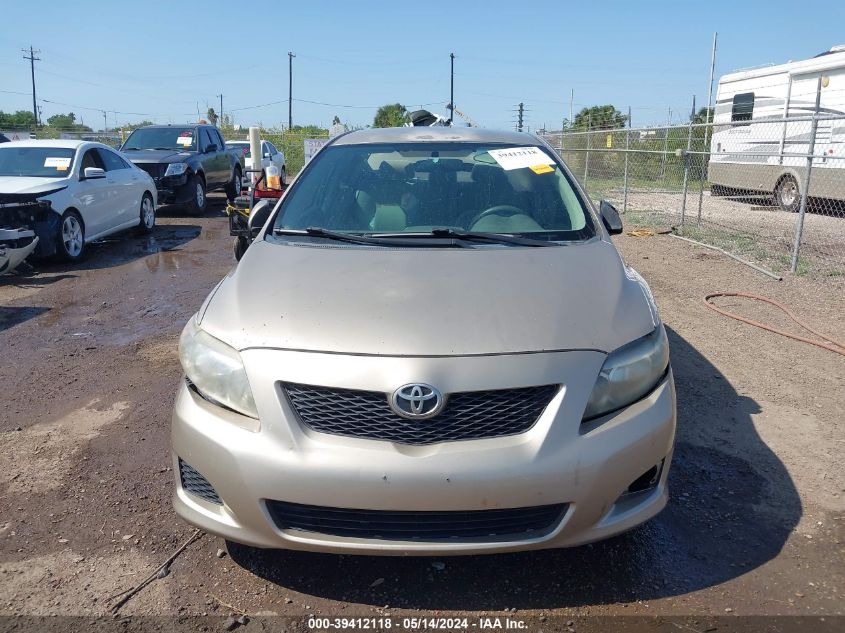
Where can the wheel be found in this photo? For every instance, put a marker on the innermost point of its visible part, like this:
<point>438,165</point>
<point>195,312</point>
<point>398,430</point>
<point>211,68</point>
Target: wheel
<point>148,214</point>
<point>284,177</point>
<point>71,240</point>
<point>198,203</point>
<point>233,187</point>
<point>788,194</point>
<point>241,244</point>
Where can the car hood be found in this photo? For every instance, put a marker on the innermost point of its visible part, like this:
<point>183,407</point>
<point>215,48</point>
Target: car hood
<point>28,189</point>
<point>144,156</point>
<point>430,302</point>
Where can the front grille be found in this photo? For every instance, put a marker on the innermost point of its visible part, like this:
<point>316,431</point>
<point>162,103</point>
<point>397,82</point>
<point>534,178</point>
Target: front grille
<point>469,415</point>
<point>411,525</point>
<point>153,169</point>
<point>196,484</point>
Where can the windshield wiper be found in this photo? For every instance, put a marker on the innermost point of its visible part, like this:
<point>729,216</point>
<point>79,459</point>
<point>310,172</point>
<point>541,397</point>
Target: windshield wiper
<point>353,238</point>
<point>471,236</point>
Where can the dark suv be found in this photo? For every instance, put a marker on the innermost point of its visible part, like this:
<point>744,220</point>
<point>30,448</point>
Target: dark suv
<point>185,161</point>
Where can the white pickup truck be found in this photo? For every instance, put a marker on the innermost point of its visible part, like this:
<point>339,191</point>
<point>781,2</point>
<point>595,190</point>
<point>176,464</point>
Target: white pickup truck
<point>269,156</point>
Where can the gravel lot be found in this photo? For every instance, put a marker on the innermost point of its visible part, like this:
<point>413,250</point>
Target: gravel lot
<point>756,523</point>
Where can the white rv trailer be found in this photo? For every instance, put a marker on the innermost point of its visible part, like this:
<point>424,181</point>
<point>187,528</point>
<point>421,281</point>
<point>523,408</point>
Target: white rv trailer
<point>754,149</point>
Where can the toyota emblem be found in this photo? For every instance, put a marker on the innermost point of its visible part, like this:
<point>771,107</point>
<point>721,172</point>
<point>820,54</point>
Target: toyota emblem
<point>417,401</point>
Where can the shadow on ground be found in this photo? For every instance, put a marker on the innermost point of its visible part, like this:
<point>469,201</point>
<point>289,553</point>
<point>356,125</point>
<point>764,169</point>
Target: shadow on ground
<point>733,506</point>
<point>12,316</point>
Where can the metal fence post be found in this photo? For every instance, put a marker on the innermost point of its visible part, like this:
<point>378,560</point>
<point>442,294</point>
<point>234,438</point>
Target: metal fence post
<point>587,157</point>
<point>686,166</point>
<point>665,150</point>
<point>805,190</point>
<point>627,147</point>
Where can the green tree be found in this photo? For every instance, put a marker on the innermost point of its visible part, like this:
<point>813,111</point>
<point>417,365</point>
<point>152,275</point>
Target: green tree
<point>135,126</point>
<point>604,117</point>
<point>211,115</point>
<point>314,131</point>
<point>702,115</point>
<point>392,115</point>
<point>21,118</point>
<point>66,122</point>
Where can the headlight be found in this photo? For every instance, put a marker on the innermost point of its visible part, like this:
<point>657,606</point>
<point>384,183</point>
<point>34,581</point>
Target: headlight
<point>629,373</point>
<point>216,370</point>
<point>176,169</point>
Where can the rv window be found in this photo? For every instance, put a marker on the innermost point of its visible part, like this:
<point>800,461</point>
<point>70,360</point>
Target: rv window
<point>743,107</point>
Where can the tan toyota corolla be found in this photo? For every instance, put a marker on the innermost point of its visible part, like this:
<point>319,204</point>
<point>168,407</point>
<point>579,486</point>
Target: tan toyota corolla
<point>431,347</point>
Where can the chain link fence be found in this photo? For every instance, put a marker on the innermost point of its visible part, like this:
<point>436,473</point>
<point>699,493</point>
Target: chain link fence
<point>770,193</point>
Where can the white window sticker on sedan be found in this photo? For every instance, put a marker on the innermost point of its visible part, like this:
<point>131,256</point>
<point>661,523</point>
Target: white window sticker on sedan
<point>59,162</point>
<point>519,157</point>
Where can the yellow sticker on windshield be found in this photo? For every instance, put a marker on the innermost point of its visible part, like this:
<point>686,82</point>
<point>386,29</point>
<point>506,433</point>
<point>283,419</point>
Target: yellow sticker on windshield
<point>542,169</point>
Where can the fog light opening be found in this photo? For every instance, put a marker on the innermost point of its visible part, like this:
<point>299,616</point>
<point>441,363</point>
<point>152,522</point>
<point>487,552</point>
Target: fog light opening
<point>647,481</point>
<point>197,485</point>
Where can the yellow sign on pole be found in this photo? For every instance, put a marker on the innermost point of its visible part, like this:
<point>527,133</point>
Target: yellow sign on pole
<point>609,142</point>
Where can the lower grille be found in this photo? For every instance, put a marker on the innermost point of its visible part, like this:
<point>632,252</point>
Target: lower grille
<point>196,484</point>
<point>410,525</point>
<point>468,415</point>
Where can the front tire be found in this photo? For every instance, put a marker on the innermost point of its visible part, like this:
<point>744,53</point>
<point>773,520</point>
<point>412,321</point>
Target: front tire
<point>148,215</point>
<point>788,194</point>
<point>71,240</point>
<point>198,202</point>
<point>233,187</point>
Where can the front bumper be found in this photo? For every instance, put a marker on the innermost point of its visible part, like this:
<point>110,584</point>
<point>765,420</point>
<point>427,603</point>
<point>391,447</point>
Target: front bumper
<point>174,190</point>
<point>558,461</point>
<point>15,246</point>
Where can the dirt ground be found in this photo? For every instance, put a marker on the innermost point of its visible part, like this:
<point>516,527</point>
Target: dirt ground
<point>755,525</point>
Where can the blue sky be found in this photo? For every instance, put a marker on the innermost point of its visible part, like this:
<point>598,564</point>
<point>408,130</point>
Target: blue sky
<point>162,60</point>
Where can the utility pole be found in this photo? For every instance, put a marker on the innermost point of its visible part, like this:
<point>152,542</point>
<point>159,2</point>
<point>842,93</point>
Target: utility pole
<point>571,99</point>
<point>519,117</point>
<point>32,59</point>
<point>451,88</point>
<point>290,89</point>
<point>105,122</point>
<point>221,108</point>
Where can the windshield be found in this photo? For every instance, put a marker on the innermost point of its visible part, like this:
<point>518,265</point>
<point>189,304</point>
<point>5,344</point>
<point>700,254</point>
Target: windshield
<point>418,187</point>
<point>39,162</point>
<point>175,138</point>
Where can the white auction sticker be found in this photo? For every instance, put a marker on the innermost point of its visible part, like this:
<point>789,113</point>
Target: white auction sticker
<point>59,162</point>
<point>185,140</point>
<point>519,157</point>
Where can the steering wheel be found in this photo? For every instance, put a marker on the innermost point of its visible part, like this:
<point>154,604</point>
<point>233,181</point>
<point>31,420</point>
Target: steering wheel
<point>504,210</point>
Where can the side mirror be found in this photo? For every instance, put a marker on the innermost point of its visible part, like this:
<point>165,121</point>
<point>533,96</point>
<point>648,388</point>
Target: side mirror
<point>211,147</point>
<point>258,217</point>
<point>610,218</point>
<point>92,173</point>
<point>266,154</point>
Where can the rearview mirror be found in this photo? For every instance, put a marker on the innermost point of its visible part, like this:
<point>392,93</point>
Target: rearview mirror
<point>610,218</point>
<point>211,147</point>
<point>92,173</point>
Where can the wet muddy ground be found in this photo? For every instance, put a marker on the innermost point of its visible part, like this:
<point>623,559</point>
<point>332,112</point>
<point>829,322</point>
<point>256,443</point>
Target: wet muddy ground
<point>755,525</point>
